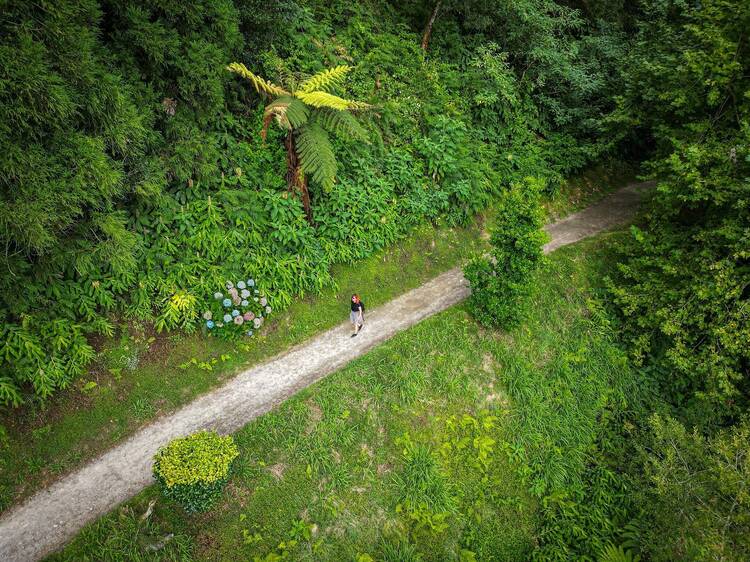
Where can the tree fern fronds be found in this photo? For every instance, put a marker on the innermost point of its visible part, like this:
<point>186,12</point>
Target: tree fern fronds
<point>325,80</point>
<point>289,112</point>
<point>342,124</point>
<point>324,99</point>
<point>262,86</point>
<point>316,154</point>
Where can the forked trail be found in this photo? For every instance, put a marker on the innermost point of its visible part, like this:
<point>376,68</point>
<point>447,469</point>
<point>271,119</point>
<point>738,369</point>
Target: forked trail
<point>50,518</point>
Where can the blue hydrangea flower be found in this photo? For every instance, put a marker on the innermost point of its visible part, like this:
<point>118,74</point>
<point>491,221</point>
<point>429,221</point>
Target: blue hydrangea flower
<point>244,293</point>
<point>209,324</point>
<point>251,282</point>
<point>244,303</point>
<point>227,318</point>
<point>241,285</point>
<point>249,332</point>
<point>235,312</point>
<point>227,302</point>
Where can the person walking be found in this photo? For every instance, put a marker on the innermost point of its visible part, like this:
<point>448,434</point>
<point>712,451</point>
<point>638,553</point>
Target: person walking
<point>357,315</point>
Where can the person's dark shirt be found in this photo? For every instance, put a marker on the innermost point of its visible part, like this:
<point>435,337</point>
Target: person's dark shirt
<point>357,305</point>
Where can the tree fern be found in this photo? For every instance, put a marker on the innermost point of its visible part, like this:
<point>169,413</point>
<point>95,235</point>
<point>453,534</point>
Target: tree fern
<point>316,154</point>
<point>306,115</point>
<point>325,80</point>
<point>261,85</point>
<point>342,124</point>
<point>324,99</point>
<point>290,113</point>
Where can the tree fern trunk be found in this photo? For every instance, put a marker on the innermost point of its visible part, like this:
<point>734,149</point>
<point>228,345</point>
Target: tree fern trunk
<point>295,178</point>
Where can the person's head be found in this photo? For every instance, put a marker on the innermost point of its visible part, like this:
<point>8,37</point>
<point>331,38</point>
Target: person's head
<point>355,298</point>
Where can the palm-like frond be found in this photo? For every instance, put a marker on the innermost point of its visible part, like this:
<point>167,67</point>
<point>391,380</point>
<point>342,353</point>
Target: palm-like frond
<point>325,80</point>
<point>261,85</point>
<point>290,113</point>
<point>342,123</point>
<point>324,99</point>
<point>316,154</point>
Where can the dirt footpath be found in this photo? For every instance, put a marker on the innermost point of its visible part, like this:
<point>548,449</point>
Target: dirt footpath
<point>50,518</point>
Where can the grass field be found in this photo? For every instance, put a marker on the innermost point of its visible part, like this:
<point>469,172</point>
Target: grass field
<point>434,446</point>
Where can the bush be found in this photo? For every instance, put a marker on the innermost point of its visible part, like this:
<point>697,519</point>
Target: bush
<point>193,470</point>
<point>500,284</point>
<point>697,492</point>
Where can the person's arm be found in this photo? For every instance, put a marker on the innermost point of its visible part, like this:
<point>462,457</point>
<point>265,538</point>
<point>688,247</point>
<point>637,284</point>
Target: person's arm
<point>361,313</point>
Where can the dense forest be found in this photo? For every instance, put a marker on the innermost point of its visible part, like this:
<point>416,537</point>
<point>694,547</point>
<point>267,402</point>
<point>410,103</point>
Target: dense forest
<point>140,169</point>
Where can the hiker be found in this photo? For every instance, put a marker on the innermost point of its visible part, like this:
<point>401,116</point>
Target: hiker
<point>357,315</point>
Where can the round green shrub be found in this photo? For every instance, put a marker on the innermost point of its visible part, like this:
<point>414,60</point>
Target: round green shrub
<point>193,470</point>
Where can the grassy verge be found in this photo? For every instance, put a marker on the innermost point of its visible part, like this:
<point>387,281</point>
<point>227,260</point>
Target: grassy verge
<point>447,416</point>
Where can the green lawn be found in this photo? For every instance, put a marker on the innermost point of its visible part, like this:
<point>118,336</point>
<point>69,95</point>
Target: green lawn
<point>464,422</point>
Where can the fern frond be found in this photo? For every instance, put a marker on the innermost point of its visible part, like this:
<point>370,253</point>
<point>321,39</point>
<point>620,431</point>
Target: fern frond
<point>325,80</point>
<point>316,154</point>
<point>324,99</point>
<point>343,124</point>
<point>262,86</point>
<point>289,112</point>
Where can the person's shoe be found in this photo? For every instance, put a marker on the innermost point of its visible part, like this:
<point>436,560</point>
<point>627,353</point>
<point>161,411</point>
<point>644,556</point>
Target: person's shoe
<point>354,334</point>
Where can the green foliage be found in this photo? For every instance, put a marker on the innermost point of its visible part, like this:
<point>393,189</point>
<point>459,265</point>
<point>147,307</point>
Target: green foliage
<point>50,352</point>
<point>698,492</point>
<point>133,536</point>
<point>501,284</point>
<point>682,286</point>
<point>193,470</point>
<point>618,554</point>
<point>316,154</point>
<point>172,193</point>
<point>426,498</point>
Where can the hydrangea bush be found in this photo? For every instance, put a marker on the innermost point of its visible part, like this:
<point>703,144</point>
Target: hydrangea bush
<point>239,309</point>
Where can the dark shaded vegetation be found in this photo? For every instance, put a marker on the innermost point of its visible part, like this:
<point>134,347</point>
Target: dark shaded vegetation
<point>134,184</point>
